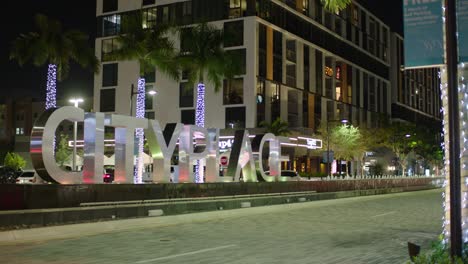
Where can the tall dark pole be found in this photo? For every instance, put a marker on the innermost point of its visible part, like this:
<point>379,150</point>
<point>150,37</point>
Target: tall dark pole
<point>454,128</point>
<point>328,149</point>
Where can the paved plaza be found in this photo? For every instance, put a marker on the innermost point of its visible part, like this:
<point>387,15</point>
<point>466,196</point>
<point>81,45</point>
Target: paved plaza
<point>373,229</point>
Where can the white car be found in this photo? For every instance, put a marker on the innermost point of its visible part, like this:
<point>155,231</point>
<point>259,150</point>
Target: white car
<point>29,177</point>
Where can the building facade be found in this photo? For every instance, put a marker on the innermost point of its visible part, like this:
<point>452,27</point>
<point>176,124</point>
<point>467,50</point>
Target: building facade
<point>415,92</point>
<point>302,64</point>
<point>17,119</point>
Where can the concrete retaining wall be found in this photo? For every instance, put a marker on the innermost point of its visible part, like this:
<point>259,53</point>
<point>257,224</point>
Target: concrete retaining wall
<point>16,197</point>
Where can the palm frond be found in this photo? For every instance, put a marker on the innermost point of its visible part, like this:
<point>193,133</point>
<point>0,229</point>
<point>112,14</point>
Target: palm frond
<point>335,5</point>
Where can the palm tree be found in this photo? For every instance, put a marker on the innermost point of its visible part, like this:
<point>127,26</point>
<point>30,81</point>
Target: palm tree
<point>335,5</point>
<point>151,47</point>
<point>277,128</point>
<point>52,45</point>
<point>202,54</point>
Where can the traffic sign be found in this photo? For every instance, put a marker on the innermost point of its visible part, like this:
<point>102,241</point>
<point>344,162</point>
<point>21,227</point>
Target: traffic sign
<point>224,160</point>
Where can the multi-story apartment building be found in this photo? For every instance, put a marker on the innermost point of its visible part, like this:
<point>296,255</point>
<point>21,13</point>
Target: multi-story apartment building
<point>302,64</point>
<point>415,92</point>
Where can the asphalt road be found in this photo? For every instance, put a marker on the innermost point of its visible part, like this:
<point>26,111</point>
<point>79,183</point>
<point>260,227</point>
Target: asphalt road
<point>372,229</point>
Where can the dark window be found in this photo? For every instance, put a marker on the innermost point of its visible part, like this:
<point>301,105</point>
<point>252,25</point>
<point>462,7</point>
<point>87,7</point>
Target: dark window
<point>318,10</point>
<point>150,76</point>
<point>260,99</point>
<point>358,87</point>
<point>291,75</point>
<point>291,50</point>
<point>234,33</point>
<point>149,98</point>
<point>186,95</point>
<point>319,71</point>
<point>306,68</point>
<point>235,117</point>
<point>239,56</point>
<point>366,91</point>
<point>277,56</point>
<point>109,74</point>
<point>108,46</point>
<point>111,25</point>
<point>184,39</point>
<point>385,97</point>
<point>372,105</point>
<point>107,101</point>
<point>275,101</point>
<point>149,115</point>
<point>233,91</point>
<point>109,5</point>
<point>262,50</point>
<point>149,2</point>
<point>187,117</point>
<point>187,12</point>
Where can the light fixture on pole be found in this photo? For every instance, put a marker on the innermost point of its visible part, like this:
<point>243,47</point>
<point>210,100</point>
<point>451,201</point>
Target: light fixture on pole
<point>75,102</point>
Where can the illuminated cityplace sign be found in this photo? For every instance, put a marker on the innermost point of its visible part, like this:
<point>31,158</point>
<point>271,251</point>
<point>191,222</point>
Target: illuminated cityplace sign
<point>162,144</point>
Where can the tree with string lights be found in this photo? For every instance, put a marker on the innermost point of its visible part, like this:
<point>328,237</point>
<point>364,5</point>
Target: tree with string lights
<point>55,46</point>
<point>202,55</point>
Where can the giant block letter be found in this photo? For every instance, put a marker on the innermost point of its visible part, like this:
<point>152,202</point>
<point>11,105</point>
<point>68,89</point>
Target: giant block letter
<point>242,158</point>
<point>124,144</point>
<point>42,144</point>
<point>162,146</point>
<point>93,147</point>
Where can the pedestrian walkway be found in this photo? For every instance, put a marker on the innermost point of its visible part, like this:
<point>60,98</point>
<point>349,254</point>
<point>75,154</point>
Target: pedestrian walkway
<point>372,229</point>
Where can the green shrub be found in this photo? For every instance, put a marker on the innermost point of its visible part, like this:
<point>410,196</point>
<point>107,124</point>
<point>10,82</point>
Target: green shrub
<point>14,161</point>
<point>439,254</point>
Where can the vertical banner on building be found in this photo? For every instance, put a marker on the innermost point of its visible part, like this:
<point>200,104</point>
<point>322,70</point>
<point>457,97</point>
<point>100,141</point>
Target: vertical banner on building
<point>423,33</point>
<point>462,15</point>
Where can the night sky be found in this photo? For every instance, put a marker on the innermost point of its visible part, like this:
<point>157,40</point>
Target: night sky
<point>17,17</point>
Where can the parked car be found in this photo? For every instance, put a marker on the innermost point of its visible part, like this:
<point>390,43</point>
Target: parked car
<point>108,175</point>
<point>290,175</point>
<point>29,177</point>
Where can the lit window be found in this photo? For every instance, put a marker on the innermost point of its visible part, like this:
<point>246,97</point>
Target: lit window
<point>111,25</point>
<point>149,18</point>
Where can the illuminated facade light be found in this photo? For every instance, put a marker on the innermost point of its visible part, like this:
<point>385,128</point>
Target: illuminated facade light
<point>200,121</point>
<point>51,92</point>
<point>139,133</point>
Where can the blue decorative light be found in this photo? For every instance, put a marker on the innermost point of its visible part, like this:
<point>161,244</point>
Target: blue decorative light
<point>200,110</point>
<point>51,92</point>
<point>200,121</point>
<point>139,133</point>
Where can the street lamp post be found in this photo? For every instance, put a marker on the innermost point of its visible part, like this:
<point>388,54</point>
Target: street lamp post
<point>344,121</point>
<point>75,102</point>
<point>132,93</point>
